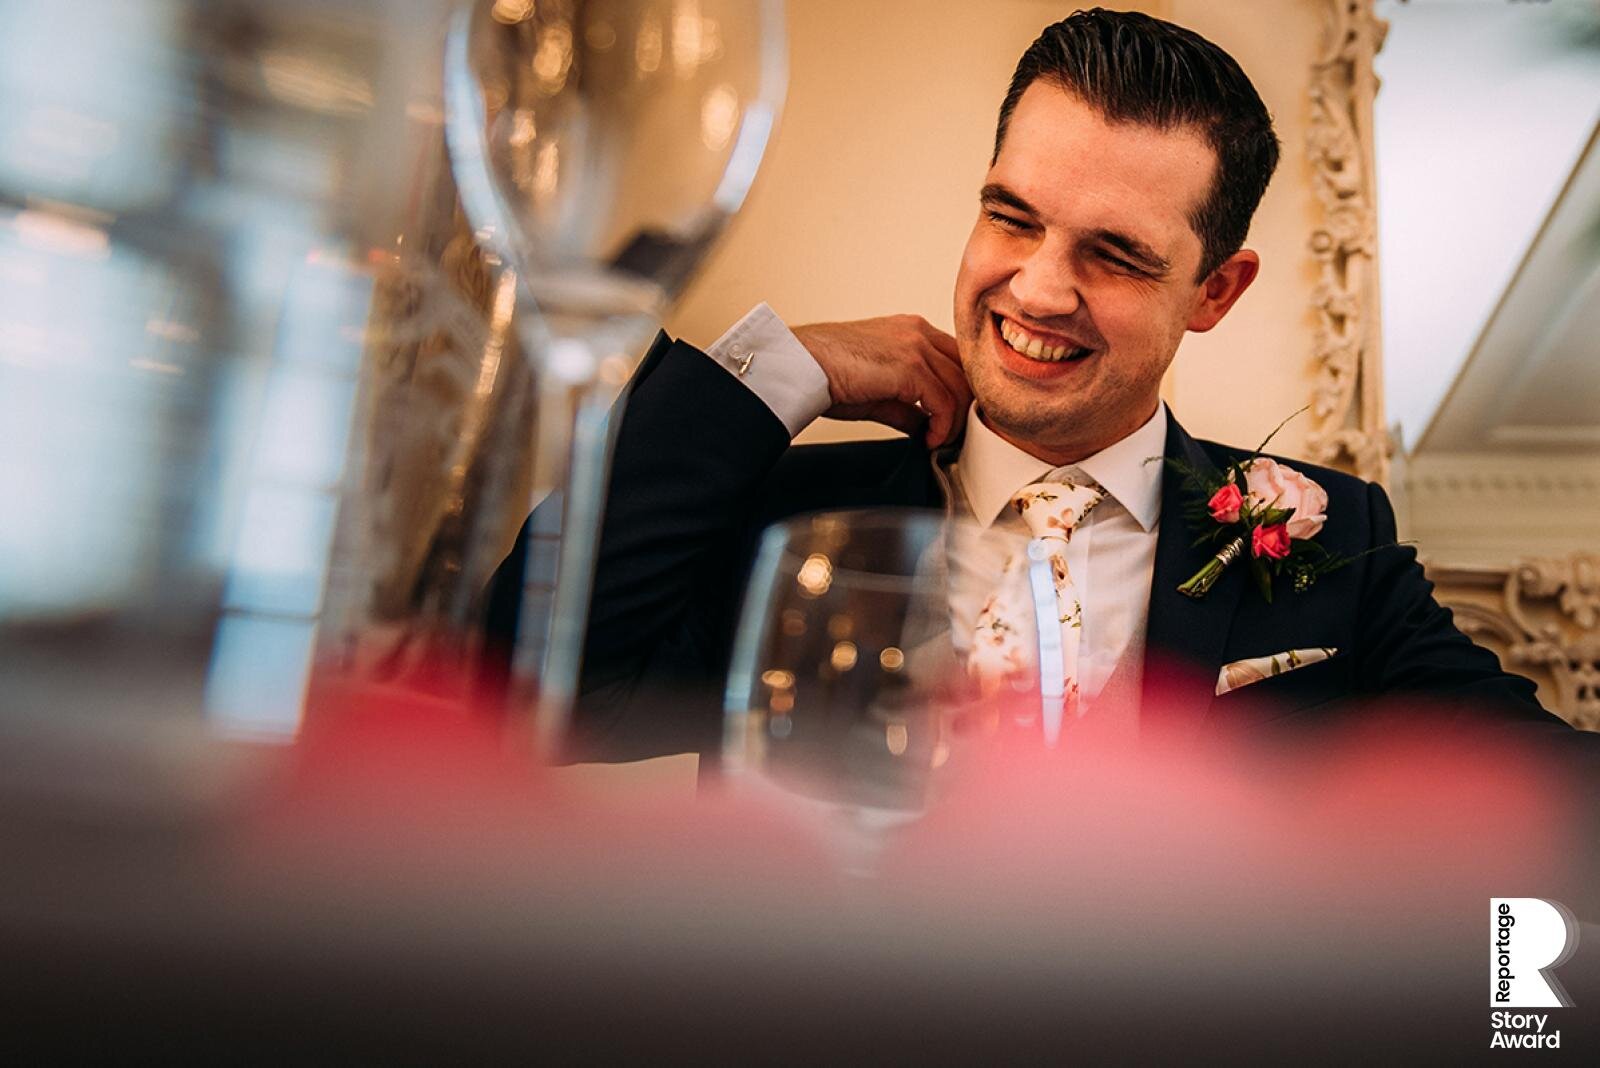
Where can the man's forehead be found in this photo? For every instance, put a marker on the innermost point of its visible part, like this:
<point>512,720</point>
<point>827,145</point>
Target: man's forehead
<point>1047,111</point>
<point>1063,155</point>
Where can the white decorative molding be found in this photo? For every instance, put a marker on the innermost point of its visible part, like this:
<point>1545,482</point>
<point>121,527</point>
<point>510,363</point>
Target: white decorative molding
<point>1347,398</point>
<point>1519,483</point>
<point>1541,615</point>
<point>1550,437</point>
<point>1493,508</point>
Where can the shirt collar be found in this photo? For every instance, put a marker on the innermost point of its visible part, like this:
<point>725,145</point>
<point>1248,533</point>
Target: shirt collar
<point>992,469</point>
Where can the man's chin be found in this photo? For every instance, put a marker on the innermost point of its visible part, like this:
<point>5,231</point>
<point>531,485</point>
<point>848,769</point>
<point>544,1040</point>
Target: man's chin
<point>1028,428</point>
<point>1017,414</point>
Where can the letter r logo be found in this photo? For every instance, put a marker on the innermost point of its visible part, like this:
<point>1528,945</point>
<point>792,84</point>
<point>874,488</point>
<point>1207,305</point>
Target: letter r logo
<point>1529,937</point>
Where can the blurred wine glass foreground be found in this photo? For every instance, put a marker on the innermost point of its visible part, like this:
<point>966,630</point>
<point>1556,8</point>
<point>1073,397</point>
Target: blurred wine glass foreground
<point>873,647</point>
<point>227,274</point>
<point>276,393</point>
<point>600,147</point>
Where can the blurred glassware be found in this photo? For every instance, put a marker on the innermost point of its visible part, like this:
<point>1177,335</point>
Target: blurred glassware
<point>601,147</point>
<point>269,415</point>
<point>196,200</point>
<point>859,670</point>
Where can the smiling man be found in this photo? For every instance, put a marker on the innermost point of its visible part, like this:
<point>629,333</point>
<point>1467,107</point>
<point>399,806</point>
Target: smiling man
<point>1129,158</point>
<point>1086,267</point>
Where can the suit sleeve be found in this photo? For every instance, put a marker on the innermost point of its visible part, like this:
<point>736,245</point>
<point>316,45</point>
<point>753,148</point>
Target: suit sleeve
<point>692,450</point>
<point>1411,644</point>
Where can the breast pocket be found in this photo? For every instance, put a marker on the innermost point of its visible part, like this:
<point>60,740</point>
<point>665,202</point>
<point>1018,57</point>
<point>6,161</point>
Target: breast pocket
<point>1291,692</point>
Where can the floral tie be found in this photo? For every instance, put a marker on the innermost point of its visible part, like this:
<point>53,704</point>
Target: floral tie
<point>1051,510</point>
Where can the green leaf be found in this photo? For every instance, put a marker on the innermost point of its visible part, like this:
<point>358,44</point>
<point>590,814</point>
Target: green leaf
<point>1200,481</point>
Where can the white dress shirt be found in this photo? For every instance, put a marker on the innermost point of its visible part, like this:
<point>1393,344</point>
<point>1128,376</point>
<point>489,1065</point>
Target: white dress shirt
<point>1111,555</point>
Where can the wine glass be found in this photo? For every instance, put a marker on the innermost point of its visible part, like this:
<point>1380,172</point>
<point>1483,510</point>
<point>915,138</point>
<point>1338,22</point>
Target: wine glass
<point>600,149</point>
<point>874,646</point>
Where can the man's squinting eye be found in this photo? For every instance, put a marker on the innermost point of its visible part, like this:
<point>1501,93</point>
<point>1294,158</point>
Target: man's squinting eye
<point>1117,261</point>
<point>1010,222</point>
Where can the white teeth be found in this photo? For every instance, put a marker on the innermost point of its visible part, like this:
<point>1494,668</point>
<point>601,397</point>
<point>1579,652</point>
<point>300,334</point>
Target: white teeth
<point>1032,347</point>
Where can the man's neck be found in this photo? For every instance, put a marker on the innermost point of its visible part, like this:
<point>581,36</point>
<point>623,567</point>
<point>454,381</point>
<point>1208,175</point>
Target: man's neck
<point>1062,455</point>
<point>991,468</point>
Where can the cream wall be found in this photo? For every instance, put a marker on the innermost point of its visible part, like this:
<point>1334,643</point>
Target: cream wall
<point>1240,380</point>
<point>871,186</point>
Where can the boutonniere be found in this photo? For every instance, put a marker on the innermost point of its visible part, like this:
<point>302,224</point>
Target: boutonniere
<point>1260,510</point>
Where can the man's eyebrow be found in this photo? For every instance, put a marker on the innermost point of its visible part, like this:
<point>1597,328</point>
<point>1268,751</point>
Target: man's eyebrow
<point>1139,252</point>
<point>994,193</point>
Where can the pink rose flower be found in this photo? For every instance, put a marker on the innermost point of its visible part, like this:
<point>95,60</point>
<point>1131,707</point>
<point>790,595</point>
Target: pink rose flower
<point>1270,541</point>
<point>1225,504</point>
<point>1273,485</point>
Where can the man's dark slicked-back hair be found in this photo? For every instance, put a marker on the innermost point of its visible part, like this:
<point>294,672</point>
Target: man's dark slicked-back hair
<point>1137,69</point>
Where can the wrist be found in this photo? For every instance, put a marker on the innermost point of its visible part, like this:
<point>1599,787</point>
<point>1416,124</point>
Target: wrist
<point>770,361</point>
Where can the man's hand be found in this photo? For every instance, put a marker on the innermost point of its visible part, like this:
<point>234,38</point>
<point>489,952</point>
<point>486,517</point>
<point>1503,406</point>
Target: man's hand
<point>900,370</point>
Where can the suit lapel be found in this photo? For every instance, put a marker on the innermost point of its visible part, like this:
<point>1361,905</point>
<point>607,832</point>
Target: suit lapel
<point>1185,637</point>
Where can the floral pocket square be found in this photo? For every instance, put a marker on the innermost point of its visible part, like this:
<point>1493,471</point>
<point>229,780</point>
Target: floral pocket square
<point>1243,672</point>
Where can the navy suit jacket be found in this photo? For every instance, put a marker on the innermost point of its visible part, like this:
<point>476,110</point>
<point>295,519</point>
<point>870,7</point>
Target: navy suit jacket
<point>701,466</point>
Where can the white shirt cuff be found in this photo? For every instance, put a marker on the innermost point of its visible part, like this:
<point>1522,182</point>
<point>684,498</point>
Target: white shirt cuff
<point>760,351</point>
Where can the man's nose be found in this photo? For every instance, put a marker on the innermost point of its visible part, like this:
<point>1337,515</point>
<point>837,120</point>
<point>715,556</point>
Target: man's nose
<point>1044,286</point>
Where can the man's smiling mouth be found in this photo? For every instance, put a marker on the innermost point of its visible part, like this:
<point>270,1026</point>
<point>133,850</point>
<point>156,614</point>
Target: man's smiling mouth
<point>1035,346</point>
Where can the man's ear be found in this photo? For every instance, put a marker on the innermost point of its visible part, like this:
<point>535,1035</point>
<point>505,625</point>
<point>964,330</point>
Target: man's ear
<point>1222,287</point>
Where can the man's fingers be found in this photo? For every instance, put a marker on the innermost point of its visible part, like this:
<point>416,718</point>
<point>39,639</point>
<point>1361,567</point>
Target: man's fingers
<point>903,417</point>
<point>942,341</point>
<point>943,358</point>
<point>900,370</point>
<point>925,392</point>
<point>947,427</point>
<point>934,424</point>
<point>950,376</point>
<point>943,408</point>
<point>957,391</point>
<point>939,429</point>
